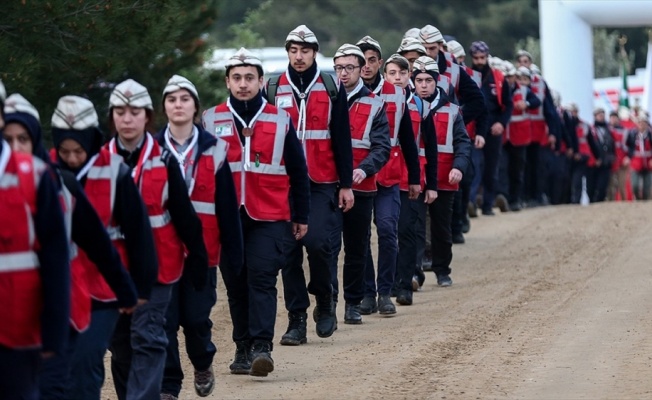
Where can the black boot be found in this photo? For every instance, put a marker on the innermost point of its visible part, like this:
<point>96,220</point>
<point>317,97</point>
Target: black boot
<point>242,359</point>
<point>324,316</point>
<point>352,314</point>
<point>296,333</point>
<point>261,358</point>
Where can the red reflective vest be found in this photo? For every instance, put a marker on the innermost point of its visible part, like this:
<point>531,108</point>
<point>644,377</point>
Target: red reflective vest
<point>476,76</point>
<point>100,188</point>
<point>452,71</point>
<point>394,98</point>
<point>583,131</point>
<point>261,181</point>
<point>316,138</point>
<point>538,121</point>
<point>416,117</point>
<point>445,83</point>
<point>519,130</point>
<point>444,119</point>
<point>203,197</point>
<point>361,115</point>
<point>619,136</point>
<point>20,281</point>
<point>642,152</point>
<point>499,81</point>
<point>151,176</point>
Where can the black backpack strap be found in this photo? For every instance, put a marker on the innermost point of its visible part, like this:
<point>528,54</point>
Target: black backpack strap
<point>272,87</point>
<point>330,85</point>
<point>70,181</point>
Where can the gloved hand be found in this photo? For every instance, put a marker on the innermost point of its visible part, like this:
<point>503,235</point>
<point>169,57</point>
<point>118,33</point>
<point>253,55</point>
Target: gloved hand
<point>196,269</point>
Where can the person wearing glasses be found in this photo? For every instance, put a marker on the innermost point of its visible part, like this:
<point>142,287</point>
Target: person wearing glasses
<point>370,139</point>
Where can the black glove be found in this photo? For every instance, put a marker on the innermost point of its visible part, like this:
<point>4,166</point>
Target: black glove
<point>196,269</point>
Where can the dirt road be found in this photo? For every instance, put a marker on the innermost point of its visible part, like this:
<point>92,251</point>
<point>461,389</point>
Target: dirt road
<point>549,303</point>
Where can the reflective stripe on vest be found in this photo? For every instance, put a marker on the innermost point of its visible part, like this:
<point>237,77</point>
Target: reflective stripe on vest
<point>452,70</point>
<point>202,207</point>
<point>452,110</point>
<point>20,261</point>
<point>538,87</point>
<point>394,95</point>
<point>362,140</point>
<point>520,94</point>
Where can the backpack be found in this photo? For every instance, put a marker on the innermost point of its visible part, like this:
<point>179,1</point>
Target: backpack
<point>329,83</point>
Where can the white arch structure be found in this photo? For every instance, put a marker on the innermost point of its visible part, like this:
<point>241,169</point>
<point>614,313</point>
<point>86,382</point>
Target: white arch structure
<point>566,28</point>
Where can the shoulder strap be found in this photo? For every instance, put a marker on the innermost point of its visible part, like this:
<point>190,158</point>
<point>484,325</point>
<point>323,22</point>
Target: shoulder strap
<point>69,181</point>
<point>329,84</point>
<point>272,86</point>
<point>419,103</point>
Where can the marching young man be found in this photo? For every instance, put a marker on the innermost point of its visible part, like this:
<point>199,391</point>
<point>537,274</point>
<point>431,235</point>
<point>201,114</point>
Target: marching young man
<point>272,185</point>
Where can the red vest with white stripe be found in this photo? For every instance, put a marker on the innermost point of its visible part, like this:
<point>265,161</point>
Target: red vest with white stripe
<point>416,119</point>
<point>20,281</point>
<point>261,183</point>
<point>100,188</point>
<point>394,98</point>
<point>153,185</point>
<point>642,152</point>
<point>444,119</point>
<point>203,197</point>
<point>518,130</point>
<point>445,83</point>
<point>583,131</point>
<point>361,116</point>
<point>538,121</point>
<point>452,71</point>
<point>317,139</point>
<point>619,135</point>
<point>476,76</point>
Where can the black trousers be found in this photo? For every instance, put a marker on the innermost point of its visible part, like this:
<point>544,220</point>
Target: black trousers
<point>598,182</point>
<point>491,149</point>
<point>579,171</point>
<point>408,239</point>
<point>441,211</point>
<point>461,200</point>
<point>356,233</point>
<point>324,222</point>
<point>515,171</point>
<point>532,173</point>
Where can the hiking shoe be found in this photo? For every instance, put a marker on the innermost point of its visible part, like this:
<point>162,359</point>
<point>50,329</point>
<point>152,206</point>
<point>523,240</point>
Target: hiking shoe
<point>368,306</point>
<point>204,382</point>
<point>296,332</point>
<point>261,358</point>
<point>324,316</point>
<point>241,364</point>
<point>168,396</point>
<point>404,297</point>
<point>418,279</point>
<point>515,206</point>
<point>472,209</point>
<point>501,203</point>
<point>444,280</point>
<point>352,314</point>
<point>458,238</point>
<point>385,305</point>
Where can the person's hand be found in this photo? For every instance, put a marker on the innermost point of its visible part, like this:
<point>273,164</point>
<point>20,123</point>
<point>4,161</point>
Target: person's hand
<point>299,230</point>
<point>520,105</point>
<point>577,156</point>
<point>414,191</point>
<point>598,162</point>
<point>126,310</point>
<point>358,176</point>
<point>626,162</point>
<point>431,195</point>
<point>479,142</point>
<point>552,140</point>
<point>47,354</point>
<point>346,199</point>
<point>569,153</point>
<point>455,176</point>
<point>497,129</point>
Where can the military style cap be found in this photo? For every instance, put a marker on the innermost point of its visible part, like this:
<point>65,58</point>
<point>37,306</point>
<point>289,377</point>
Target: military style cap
<point>301,34</point>
<point>456,48</point>
<point>243,57</point>
<point>130,93</point>
<point>411,44</point>
<point>348,50</point>
<point>178,82</point>
<point>16,103</point>
<point>430,34</point>
<point>425,64</point>
<point>74,113</point>
<point>368,40</point>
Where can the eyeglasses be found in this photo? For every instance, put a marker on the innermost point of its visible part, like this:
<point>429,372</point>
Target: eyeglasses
<point>348,68</point>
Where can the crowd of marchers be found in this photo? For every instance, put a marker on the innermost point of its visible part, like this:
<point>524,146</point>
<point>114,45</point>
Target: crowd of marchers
<point>113,238</point>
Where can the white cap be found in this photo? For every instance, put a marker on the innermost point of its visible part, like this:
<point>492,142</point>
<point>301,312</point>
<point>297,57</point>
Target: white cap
<point>3,92</point>
<point>523,71</point>
<point>525,53</point>
<point>425,64</point>
<point>534,69</point>
<point>130,93</point>
<point>16,103</point>
<point>301,34</point>
<point>455,48</point>
<point>411,44</point>
<point>643,116</point>
<point>348,50</point>
<point>75,113</point>
<point>430,34</point>
<point>412,32</point>
<point>495,62</point>
<point>397,57</point>
<point>243,57</point>
<point>508,68</point>
<point>368,40</point>
<point>178,82</point>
